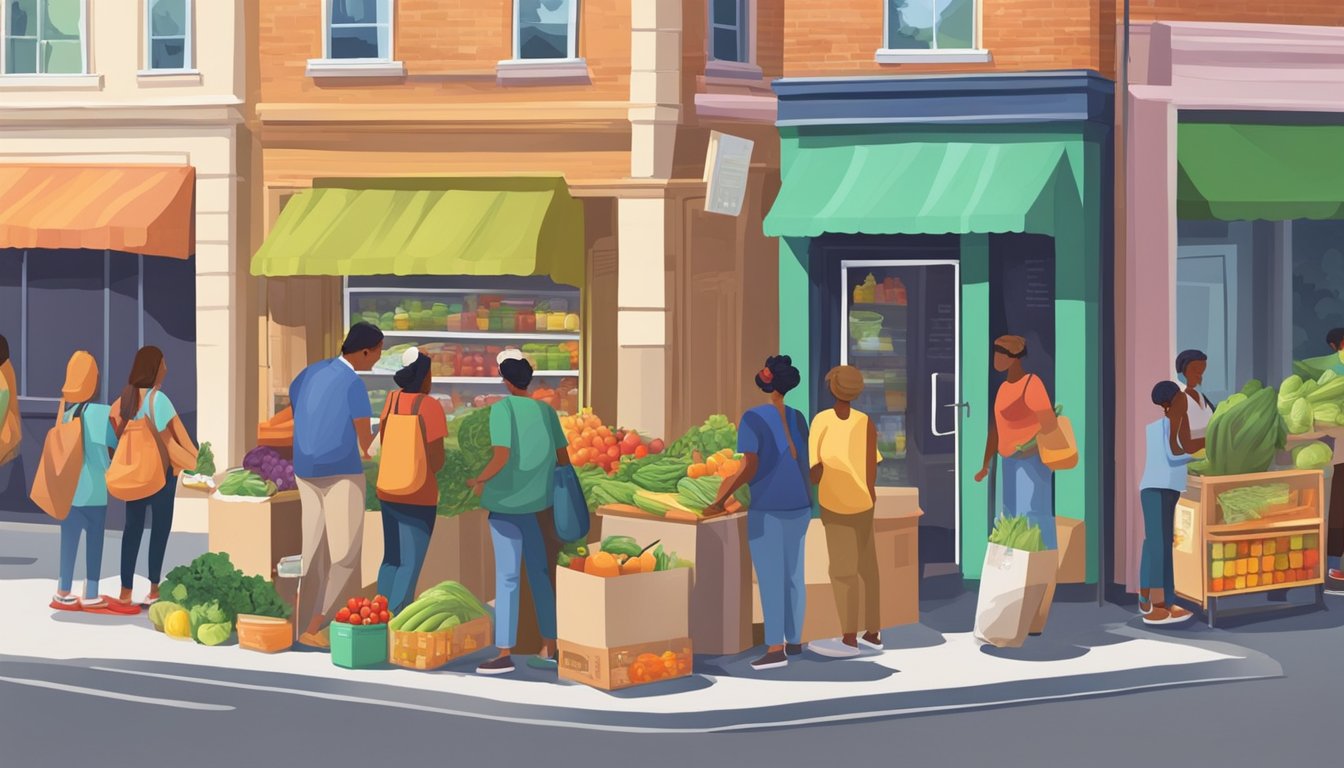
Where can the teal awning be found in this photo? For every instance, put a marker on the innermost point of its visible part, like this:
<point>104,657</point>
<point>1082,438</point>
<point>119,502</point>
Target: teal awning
<point>920,188</point>
<point>1260,172</point>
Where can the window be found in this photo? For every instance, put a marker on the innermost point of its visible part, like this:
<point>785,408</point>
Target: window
<point>44,37</point>
<point>168,29</point>
<point>359,29</point>
<point>930,25</point>
<point>728,31</point>
<point>545,29</point>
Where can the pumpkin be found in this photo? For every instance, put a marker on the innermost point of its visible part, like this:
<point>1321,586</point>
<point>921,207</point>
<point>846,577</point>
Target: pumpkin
<point>633,565</point>
<point>648,563</point>
<point>178,624</point>
<point>602,564</point>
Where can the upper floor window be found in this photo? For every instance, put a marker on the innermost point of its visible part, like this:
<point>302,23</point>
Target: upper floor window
<point>359,29</point>
<point>545,29</point>
<point>931,25</point>
<point>44,37</point>
<point>728,30</point>
<point>168,32</point>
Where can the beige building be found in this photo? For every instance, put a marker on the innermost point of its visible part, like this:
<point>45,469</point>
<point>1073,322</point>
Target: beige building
<point>124,154</point>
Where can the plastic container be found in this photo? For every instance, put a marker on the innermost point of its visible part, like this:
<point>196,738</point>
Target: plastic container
<point>864,324</point>
<point>555,321</point>
<point>527,322</point>
<point>264,634</point>
<point>359,647</point>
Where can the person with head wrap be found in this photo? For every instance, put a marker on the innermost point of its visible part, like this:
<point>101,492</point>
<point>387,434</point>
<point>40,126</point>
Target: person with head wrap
<point>843,449</point>
<point>409,514</point>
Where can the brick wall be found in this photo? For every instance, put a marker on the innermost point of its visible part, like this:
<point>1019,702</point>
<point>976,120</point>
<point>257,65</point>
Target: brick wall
<point>840,37</point>
<point>1328,13</point>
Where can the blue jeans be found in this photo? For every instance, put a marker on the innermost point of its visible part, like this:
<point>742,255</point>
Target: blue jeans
<point>518,538</point>
<point>406,531</point>
<point>92,522</point>
<point>776,543</point>
<point>1159,523</point>
<point>159,508</point>
<point>1028,490</point>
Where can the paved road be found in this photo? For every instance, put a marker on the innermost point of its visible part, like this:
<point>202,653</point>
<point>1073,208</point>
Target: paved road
<point>59,715</point>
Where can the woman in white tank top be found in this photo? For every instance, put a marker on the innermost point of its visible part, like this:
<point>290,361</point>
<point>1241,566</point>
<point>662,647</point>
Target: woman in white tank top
<point>1190,366</point>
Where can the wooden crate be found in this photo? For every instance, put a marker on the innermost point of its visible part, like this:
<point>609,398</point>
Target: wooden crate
<point>431,650</point>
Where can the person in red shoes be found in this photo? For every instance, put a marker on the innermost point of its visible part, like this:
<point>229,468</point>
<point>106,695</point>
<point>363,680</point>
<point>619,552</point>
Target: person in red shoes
<point>88,512</point>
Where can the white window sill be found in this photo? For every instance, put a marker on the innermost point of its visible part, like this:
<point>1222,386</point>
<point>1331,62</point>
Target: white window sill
<point>167,77</point>
<point>963,56</point>
<point>732,70</point>
<point>354,68</point>
<point>51,82</point>
<point>543,72</point>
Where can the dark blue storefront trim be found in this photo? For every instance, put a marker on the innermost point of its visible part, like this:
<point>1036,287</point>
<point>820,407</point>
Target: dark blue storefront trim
<point>1036,97</point>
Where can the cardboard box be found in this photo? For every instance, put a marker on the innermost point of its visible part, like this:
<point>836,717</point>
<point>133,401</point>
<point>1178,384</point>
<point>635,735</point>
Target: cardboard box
<point>431,650</point>
<point>459,550</point>
<point>622,611</point>
<point>720,608</point>
<point>257,534</point>
<point>1072,536</point>
<point>612,669</point>
<point>898,575</point>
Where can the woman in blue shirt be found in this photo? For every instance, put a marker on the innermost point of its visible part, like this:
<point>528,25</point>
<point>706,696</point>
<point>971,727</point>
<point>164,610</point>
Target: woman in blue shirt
<point>773,441</point>
<point>1169,449</point>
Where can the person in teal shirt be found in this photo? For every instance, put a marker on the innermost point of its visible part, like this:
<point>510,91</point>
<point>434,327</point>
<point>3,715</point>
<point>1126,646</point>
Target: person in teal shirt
<point>88,510</point>
<point>517,488</point>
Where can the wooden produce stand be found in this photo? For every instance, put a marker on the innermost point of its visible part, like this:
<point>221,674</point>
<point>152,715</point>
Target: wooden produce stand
<point>1284,549</point>
<point>720,608</point>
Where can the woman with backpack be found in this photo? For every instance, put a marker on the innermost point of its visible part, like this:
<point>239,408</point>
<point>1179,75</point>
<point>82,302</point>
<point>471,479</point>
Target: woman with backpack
<point>88,507</point>
<point>143,471</point>
<point>410,433</point>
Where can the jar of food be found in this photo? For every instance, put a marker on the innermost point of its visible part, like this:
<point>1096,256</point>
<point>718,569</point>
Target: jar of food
<point>555,321</point>
<point>527,322</point>
<point>482,319</point>
<point>571,322</point>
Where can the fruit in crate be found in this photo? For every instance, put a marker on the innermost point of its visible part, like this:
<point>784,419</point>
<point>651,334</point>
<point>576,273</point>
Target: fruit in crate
<point>363,611</point>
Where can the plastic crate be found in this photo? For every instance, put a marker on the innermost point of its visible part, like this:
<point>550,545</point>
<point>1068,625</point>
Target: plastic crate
<point>358,647</point>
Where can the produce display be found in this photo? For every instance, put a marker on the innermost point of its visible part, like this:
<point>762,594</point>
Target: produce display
<point>650,667</point>
<point>1250,502</point>
<point>708,439</point>
<point>1253,563</point>
<point>470,312</point>
<point>439,608</point>
<point>1313,455</point>
<point>592,443</point>
<point>211,583</point>
<point>1305,402</point>
<point>619,556</point>
<point>1244,434</point>
<point>1017,533</point>
<point>269,465</point>
<point>242,482</point>
<point>205,461</point>
<point>361,611</point>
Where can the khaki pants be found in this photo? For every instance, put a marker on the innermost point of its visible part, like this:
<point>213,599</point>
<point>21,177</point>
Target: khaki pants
<point>852,547</point>
<point>333,531</point>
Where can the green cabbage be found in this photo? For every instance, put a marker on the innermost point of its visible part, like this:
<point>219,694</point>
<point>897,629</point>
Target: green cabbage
<point>214,634</point>
<point>209,615</point>
<point>1290,386</point>
<point>1315,455</point>
<point>158,612</point>
<point>1326,412</point>
<point>1300,418</point>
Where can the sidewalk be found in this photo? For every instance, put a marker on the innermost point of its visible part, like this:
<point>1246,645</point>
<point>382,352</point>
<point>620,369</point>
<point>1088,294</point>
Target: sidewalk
<point>931,667</point>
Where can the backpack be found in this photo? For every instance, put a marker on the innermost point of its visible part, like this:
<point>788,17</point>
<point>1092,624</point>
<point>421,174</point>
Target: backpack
<point>404,467</point>
<point>139,466</point>
<point>62,460</point>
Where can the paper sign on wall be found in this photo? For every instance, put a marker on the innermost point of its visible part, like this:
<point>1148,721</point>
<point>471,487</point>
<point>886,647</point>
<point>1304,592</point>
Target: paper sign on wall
<point>727,165</point>
<point>1184,529</point>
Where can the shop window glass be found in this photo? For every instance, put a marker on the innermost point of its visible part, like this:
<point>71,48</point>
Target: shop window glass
<point>11,299</point>
<point>44,37</point>
<point>545,29</point>
<point>169,318</point>
<point>169,28</point>
<point>728,30</point>
<point>359,29</point>
<point>930,24</point>
<point>64,314</point>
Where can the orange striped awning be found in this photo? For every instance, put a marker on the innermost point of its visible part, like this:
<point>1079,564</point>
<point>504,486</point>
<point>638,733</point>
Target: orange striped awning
<point>145,209</point>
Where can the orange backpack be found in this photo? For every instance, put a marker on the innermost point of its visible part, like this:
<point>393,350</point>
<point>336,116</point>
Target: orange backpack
<point>139,467</point>
<point>62,460</point>
<point>404,466</point>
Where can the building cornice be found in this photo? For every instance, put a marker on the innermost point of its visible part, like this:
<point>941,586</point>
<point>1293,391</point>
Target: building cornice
<point>571,116</point>
<point>196,112</point>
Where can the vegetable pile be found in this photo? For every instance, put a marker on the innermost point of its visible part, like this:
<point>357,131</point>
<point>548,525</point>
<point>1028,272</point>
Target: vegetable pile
<point>708,439</point>
<point>619,556</point>
<point>361,611</point>
<point>439,608</point>
<point>205,461</point>
<point>208,594</point>
<point>242,482</point>
<point>1314,455</point>
<point>1017,533</point>
<point>591,443</point>
<point>1244,433</point>
<point>1306,402</point>
<point>270,466</point>
<point>1249,502</point>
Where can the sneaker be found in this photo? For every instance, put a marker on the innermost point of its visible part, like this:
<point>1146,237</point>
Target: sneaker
<point>544,663</point>
<point>771,660</point>
<point>872,640</point>
<point>1145,607</point>
<point>66,603</point>
<point>1177,614</point>
<point>833,649</point>
<point>500,666</point>
<point>793,649</point>
<point>1334,585</point>
<point>1336,574</point>
<point>1161,615</point>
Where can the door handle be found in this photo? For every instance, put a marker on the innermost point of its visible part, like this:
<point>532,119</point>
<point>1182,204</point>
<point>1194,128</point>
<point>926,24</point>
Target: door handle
<point>933,412</point>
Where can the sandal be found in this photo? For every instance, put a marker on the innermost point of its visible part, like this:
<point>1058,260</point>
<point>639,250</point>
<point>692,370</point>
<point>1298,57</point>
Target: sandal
<point>97,605</point>
<point>124,608</point>
<point>67,603</point>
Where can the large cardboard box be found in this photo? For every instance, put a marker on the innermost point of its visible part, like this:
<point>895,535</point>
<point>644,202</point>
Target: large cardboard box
<point>720,608</point>
<point>256,534</point>
<point>1072,536</point>
<point>459,550</point>
<point>898,575</point>
<point>612,669</point>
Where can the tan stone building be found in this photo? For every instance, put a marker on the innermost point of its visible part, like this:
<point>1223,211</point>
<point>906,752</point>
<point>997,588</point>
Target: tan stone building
<point>465,108</point>
<point>124,150</point>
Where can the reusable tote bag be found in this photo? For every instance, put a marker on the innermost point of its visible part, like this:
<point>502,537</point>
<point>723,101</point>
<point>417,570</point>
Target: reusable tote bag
<point>571,509</point>
<point>62,459</point>
<point>1013,584</point>
<point>140,464</point>
<point>404,467</point>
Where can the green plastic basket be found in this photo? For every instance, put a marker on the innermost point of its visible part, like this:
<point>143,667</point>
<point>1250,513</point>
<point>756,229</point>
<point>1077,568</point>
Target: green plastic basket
<point>359,647</point>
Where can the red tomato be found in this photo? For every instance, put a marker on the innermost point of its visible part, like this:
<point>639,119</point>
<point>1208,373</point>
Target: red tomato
<point>364,611</point>
<point>383,616</point>
<point>355,619</point>
<point>367,621</point>
<point>343,614</point>
<point>614,452</point>
<point>641,452</point>
<point>353,605</point>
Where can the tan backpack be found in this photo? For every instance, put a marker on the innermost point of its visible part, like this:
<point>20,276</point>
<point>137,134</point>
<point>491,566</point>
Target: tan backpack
<point>404,466</point>
<point>139,467</point>
<point>62,460</point>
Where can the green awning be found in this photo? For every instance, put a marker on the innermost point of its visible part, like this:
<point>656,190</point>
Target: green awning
<point>920,188</point>
<point>1270,172</point>
<point>506,226</point>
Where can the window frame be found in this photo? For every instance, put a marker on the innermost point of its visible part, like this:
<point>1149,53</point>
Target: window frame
<point>572,47</point>
<point>744,27</point>
<point>188,48</point>
<point>83,43</point>
<point>388,56</point>
<point>975,54</point>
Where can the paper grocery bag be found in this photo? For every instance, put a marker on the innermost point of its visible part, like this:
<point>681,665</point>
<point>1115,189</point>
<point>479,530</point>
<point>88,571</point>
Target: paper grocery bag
<point>1013,584</point>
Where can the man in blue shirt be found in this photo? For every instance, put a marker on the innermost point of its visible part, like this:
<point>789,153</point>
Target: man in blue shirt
<point>332,435</point>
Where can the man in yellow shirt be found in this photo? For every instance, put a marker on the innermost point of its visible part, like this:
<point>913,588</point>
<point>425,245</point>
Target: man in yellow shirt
<point>843,449</point>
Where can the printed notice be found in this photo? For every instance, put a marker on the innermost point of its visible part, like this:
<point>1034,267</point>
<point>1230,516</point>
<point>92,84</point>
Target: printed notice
<point>727,165</point>
<point>1183,538</point>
